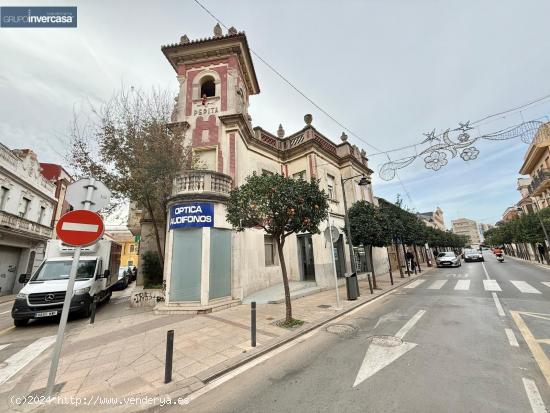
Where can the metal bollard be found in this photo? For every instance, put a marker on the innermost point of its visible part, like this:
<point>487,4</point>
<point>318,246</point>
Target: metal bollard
<point>253,323</point>
<point>169,356</point>
<point>92,316</point>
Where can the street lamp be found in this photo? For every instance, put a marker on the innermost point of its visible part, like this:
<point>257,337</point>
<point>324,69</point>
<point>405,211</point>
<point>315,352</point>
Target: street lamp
<point>362,182</point>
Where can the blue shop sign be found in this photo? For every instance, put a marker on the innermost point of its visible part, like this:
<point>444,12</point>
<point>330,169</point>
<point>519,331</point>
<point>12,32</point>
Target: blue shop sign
<point>192,215</point>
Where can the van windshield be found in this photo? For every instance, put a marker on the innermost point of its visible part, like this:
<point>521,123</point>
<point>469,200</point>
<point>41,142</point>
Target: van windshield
<point>59,270</point>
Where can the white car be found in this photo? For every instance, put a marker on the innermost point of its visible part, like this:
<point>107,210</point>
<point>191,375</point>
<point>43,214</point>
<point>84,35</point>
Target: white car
<point>448,259</point>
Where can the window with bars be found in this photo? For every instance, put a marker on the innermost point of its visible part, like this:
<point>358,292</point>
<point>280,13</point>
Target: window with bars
<point>270,250</point>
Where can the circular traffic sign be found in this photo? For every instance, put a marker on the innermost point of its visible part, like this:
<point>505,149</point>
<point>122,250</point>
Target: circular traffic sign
<point>80,228</point>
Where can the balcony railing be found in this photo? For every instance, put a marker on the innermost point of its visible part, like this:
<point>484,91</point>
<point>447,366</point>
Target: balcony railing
<point>17,224</point>
<point>199,182</point>
<point>540,182</point>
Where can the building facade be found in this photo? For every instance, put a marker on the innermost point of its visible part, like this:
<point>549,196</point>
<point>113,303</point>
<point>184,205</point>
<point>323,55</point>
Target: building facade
<point>207,264</point>
<point>61,179</point>
<point>467,227</point>
<point>130,247</point>
<point>535,189</point>
<point>27,203</point>
<point>433,219</point>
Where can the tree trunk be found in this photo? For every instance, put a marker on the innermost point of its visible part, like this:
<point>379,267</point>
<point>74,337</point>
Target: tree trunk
<point>399,261</point>
<point>280,244</point>
<point>157,235</point>
<point>406,261</point>
<point>389,263</point>
<point>372,267</point>
<point>417,260</point>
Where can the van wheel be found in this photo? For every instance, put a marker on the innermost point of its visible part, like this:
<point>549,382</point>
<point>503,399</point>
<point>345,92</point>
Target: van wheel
<point>20,323</point>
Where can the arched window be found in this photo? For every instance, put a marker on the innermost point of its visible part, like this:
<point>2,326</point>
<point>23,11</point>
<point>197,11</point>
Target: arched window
<point>208,87</point>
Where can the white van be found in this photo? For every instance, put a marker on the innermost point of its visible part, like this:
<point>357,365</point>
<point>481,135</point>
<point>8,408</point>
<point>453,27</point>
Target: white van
<point>44,293</point>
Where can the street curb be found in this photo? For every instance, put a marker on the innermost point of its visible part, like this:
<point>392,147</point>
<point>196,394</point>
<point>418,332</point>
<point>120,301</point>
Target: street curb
<point>225,367</point>
<point>546,267</point>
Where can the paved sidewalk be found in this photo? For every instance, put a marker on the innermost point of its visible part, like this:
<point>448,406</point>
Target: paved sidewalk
<point>125,356</point>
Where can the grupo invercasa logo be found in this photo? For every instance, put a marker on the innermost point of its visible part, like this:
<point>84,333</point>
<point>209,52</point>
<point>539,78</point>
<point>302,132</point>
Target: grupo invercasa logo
<point>38,16</point>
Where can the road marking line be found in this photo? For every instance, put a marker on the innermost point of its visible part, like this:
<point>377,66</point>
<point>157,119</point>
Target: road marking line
<point>410,324</point>
<point>498,305</point>
<point>462,285</point>
<point>485,269</point>
<point>20,359</point>
<point>3,346</point>
<point>437,284</point>
<point>76,226</point>
<point>537,405</point>
<point>414,284</point>
<point>525,287</point>
<point>6,330</point>
<point>546,283</point>
<point>536,349</point>
<point>511,337</point>
<point>491,285</point>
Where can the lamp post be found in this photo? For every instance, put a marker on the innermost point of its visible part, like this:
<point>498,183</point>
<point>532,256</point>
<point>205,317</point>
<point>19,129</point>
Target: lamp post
<point>362,182</point>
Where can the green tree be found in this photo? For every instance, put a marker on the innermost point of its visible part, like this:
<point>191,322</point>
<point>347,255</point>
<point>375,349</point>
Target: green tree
<point>368,228</point>
<point>129,144</point>
<point>281,206</point>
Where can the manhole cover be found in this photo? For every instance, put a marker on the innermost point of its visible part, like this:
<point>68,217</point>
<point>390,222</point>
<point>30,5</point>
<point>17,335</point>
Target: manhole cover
<point>341,329</point>
<point>386,341</point>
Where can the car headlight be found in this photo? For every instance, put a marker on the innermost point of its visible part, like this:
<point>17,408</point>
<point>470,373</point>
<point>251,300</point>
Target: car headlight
<point>81,291</point>
<point>21,296</point>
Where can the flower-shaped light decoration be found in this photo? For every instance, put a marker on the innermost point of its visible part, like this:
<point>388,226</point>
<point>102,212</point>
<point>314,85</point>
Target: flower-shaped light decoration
<point>470,153</point>
<point>463,137</point>
<point>436,160</point>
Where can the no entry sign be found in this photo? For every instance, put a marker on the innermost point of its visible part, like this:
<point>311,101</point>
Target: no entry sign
<point>79,228</point>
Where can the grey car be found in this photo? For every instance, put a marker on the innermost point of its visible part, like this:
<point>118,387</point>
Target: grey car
<point>473,255</point>
<point>448,259</point>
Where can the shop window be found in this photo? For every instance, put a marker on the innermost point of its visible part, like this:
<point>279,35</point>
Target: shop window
<point>270,250</point>
<point>208,87</point>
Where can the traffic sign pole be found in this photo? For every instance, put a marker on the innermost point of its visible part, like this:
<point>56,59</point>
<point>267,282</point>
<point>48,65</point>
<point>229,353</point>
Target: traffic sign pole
<point>338,307</point>
<point>67,303</point>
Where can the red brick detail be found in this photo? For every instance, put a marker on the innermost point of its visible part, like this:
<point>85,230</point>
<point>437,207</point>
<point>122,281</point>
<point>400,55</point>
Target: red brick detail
<point>210,125</point>
<point>220,160</point>
<point>192,73</point>
<point>312,167</point>
<point>232,154</point>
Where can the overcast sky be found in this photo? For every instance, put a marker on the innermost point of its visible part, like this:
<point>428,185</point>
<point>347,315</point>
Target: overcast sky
<point>388,70</point>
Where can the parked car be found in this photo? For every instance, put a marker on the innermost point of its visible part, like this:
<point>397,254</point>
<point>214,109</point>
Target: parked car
<point>123,279</point>
<point>132,270</point>
<point>473,255</point>
<point>448,259</point>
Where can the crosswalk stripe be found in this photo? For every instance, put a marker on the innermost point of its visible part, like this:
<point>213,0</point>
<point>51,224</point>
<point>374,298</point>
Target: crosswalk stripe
<point>525,287</point>
<point>546,283</point>
<point>437,284</point>
<point>462,285</point>
<point>491,285</point>
<point>415,284</point>
<point>20,359</point>
<point>3,346</point>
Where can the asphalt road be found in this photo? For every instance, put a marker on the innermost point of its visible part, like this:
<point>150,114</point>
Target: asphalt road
<point>438,346</point>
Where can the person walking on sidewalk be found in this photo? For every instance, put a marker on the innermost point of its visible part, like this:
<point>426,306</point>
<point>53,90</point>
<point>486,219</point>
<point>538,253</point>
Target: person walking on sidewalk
<point>542,253</point>
<point>410,259</point>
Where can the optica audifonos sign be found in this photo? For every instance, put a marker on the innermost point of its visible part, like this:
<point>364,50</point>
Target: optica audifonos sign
<point>196,214</point>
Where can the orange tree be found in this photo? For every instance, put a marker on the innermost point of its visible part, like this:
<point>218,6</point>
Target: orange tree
<point>281,207</point>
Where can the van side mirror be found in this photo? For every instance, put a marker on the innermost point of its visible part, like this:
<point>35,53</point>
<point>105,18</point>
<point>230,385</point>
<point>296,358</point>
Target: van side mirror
<point>107,273</point>
<point>23,279</point>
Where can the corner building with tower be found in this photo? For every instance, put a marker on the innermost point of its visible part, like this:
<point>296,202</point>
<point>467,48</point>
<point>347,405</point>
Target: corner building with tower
<point>208,266</point>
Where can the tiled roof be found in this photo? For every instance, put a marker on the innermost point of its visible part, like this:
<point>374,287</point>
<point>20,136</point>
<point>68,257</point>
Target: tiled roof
<point>207,39</point>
